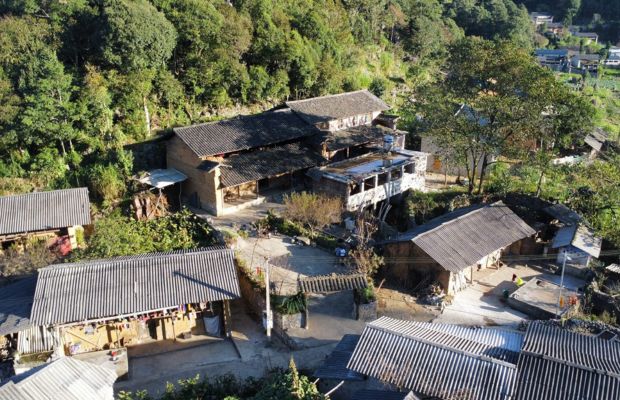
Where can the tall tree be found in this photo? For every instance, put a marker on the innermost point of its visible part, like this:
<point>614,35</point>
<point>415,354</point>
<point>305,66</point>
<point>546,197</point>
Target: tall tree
<point>490,104</point>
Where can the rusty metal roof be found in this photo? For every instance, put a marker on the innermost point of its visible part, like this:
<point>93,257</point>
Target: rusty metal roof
<point>41,211</point>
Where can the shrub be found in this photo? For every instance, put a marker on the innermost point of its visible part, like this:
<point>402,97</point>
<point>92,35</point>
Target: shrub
<point>106,182</point>
<point>290,304</point>
<point>312,210</point>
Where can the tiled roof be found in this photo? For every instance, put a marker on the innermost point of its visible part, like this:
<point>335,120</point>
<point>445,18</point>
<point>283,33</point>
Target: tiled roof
<point>332,283</point>
<point>355,136</point>
<point>579,236</point>
<point>126,285</point>
<point>40,211</point>
<point>259,164</point>
<point>337,106</point>
<point>415,356</point>
<point>244,132</point>
<point>335,366</point>
<point>15,305</point>
<point>559,364</point>
<point>461,238</point>
<point>66,378</point>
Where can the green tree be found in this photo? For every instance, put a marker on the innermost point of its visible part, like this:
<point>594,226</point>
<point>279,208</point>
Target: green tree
<point>134,35</point>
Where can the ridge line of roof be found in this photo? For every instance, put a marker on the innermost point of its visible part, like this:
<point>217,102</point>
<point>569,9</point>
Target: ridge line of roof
<point>81,188</point>
<point>328,96</point>
<point>144,256</point>
<point>569,363</point>
<point>480,357</point>
<point>474,208</point>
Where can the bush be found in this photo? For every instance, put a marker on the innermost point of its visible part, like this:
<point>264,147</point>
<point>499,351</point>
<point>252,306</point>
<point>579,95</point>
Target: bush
<point>26,257</point>
<point>289,304</point>
<point>117,235</point>
<point>106,182</point>
<point>312,210</point>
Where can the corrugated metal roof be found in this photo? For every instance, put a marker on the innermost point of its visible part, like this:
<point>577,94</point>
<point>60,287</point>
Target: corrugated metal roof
<point>461,238</point>
<point>66,379</point>
<point>161,178</point>
<point>127,285</point>
<point>15,305</point>
<point>337,106</point>
<point>579,236</point>
<point>414,356</point>
<point>9,391</point>
<point>37,339</point>
<point>615,268</point>
<point>335,366</point>
<point>332,283</point>
<point>264,163</point>
<point>559,364</point>
<point>383,395</point>
<point>42,211</point>
<point>244,132</point>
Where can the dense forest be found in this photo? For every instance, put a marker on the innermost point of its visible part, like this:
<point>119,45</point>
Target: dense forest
<point>82,79</point>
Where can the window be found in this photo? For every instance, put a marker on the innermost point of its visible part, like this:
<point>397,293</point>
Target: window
<point>369,183</point>
<point>382,178</point>
<point>395,174</point>
<point>355,189</point>
<point>409,168</point>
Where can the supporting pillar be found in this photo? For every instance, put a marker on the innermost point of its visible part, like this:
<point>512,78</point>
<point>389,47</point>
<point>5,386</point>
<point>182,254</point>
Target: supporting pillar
<point>227,319</point>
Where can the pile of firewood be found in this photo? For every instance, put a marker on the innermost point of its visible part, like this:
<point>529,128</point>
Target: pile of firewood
<point>147,205</point>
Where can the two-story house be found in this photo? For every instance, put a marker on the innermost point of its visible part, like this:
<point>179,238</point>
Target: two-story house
<point>238,162</point>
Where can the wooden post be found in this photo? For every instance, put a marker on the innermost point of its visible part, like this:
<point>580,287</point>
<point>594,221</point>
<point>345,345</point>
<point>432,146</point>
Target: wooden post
<point>227,319</point>
<point>306,312</point>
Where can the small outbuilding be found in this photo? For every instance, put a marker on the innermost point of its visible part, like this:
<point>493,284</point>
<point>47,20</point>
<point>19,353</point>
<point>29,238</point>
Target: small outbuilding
<point>53,213</point>
<point>452,248</point>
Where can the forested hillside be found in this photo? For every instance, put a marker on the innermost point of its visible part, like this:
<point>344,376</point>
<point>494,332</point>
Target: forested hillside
<point>81,78</point>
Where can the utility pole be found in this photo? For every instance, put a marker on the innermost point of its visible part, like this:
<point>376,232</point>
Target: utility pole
<point>268,317</point>
<point>557,309</point>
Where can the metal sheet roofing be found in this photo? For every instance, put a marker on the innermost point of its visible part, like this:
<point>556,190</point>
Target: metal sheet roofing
<point>559,364</point>
<point>335,366</point>
<point>332,283</point>
<point>37,339</point>
<point>65,378</point>
<point>563,214</point>
<point>461,238</point>
<point>255,165</point>
<point>383,395</point>
<point>9,391</point>
<point>127,285</point>
<point>40,211</point>
<point>596,139</point>
<point>244,132</point>
<point>580,237</point>
<point>413,356</point>
<point>15,305</point>
<point>161,178</point>
<point>337,106</point>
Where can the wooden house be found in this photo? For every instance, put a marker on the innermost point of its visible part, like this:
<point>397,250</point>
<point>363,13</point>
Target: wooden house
<point>452,248</point>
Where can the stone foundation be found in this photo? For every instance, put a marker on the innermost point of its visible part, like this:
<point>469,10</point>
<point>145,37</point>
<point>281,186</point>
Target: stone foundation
<point>365,312</point>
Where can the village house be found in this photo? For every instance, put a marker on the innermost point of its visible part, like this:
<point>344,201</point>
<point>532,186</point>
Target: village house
<point>541,18</point>
<point>585,62</point>
<point>588,37</point>
<point>575,243</point>
<point>452,248</point>
<point>238,162</point>
<point>58,213</point>
<point>368,179</point>
<point>112,303</point>
<point>613,58</point>
<point>479,363</point>
<point>555,59</point>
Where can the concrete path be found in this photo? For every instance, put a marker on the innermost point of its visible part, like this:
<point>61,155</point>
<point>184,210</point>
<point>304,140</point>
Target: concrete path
<point>248,354</point>
<point>482,303</point>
